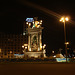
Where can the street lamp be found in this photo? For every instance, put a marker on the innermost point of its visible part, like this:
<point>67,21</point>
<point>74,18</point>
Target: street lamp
<point>64,19</point>
<point>25,46</point>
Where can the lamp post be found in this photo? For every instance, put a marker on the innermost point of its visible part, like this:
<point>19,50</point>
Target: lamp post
<point>64,19</point>
<point>0,50</point>
<point>44,51</point>
<point>25,47</point>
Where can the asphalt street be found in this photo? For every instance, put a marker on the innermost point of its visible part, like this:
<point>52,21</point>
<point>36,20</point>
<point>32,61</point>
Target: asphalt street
<point>37,69</point>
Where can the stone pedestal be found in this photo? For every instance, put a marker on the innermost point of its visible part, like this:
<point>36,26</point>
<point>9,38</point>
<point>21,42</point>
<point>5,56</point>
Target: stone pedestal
<point>34,42</point>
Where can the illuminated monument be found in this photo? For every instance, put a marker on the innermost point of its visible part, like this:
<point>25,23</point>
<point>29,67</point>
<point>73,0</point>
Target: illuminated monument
<point>34,47</point>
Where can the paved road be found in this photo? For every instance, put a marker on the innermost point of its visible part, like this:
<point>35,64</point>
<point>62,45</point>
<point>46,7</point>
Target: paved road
<point>37,69</point>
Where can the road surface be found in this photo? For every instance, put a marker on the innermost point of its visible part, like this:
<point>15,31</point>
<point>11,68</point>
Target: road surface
<point>37,69</point>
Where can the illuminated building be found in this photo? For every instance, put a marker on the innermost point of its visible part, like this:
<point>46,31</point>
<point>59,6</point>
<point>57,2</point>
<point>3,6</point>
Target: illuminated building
<point>34,48</point>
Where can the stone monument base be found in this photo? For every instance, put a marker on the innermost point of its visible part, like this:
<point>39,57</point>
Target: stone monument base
<point>33,54</point>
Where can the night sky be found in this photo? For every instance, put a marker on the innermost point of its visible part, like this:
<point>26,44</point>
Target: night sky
<point>13,14</point>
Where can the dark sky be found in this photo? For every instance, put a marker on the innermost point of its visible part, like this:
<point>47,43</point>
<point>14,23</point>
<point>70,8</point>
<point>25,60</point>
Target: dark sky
<point>14,12</point>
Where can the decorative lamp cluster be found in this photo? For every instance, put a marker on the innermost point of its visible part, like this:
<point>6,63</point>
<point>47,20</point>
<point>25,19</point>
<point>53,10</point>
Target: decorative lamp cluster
<point>34,24</point>
<point>63,19</point>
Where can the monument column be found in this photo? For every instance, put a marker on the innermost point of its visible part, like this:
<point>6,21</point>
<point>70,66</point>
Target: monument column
<point>37,42</point>
<point>40,41</point>
<point>28,42</point>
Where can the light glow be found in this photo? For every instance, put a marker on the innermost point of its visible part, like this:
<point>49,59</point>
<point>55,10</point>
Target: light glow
<point>44,51</point>
<point>60,20</point>
<point>10,52</point>
<point>54,56</point>
<point>22,46</point>
<point>30,49</point>
<point>38,26</point>
<point>29,24</point>
<point>24,33</point>
<point>63,19</point>
<point>66,19</point>
<point>33,22</point>
<point>52,51</point>
<point>25,47</point>
<point>38,22</point>
<point>41,21</point>
<point>26,22</point>
<point>67,43</point>
<point>41,46</point>
<point>38,49</point>
<point>45,45</point>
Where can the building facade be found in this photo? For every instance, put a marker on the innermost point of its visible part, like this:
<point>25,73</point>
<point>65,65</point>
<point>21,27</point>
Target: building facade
<point>11,44</point>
